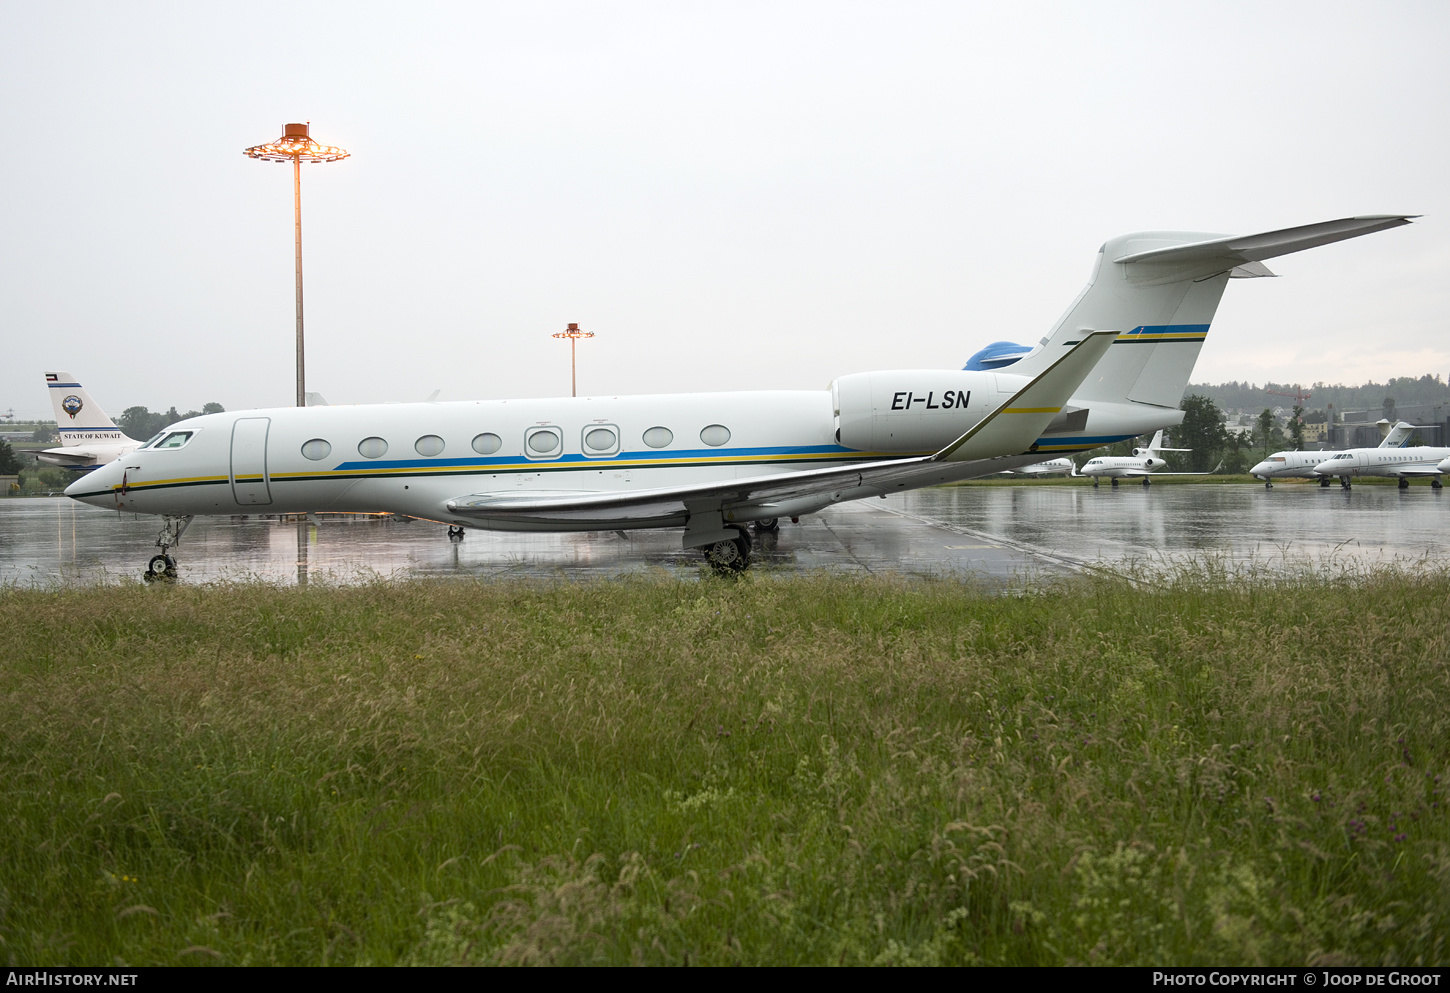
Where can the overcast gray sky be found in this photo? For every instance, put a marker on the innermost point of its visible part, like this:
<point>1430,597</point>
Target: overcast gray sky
<point>732,195</point>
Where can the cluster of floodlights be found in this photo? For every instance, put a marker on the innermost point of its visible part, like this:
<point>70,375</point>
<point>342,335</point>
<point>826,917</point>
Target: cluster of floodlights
<point>296,146</point>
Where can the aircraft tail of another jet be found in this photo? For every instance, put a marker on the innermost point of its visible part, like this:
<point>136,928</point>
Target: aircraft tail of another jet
<point>78,418</point>
<point>1399,435</point>
<point>1162,289</point>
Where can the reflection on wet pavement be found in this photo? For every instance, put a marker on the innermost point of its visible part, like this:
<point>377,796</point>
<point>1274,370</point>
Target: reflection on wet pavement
<point>999,535</point>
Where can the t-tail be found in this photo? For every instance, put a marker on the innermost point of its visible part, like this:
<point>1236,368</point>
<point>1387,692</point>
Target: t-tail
<point>1161,289</point>
<point>78,419</point>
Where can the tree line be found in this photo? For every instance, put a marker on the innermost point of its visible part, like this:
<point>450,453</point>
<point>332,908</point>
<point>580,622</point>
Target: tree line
<point>1406,391</point>
<point>141,424</point>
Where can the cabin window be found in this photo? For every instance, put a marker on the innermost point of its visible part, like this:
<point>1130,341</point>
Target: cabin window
<point>600,441</point>
<point>429,445</point>
<point>487,443</point>
<point>543,441</point>
<point>715,435</point>
<point>316,449</point>
<point>175,439</point>
<point>372,448</point>
<point>658,437</point>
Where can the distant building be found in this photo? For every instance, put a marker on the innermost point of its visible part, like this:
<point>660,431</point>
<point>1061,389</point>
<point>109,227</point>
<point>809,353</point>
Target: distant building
<point>1360,428</point>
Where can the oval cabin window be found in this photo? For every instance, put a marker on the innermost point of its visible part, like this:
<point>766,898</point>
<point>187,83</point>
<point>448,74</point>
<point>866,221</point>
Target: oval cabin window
<point>487,443</point>
<point>658,437</point>
<point>599,439</point>
<point>715,435</point>
<point>542,442</point>
<point>316,450</point>
<point>429,445</point>
<point>372,448</point>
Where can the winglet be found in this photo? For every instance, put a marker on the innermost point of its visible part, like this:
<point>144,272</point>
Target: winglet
<point>1017,424</point>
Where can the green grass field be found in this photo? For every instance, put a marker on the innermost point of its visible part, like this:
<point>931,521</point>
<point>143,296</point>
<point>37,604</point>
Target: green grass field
<point>764,771</point>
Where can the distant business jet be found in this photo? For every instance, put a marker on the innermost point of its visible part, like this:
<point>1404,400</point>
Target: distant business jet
<point>1052,467</point>
<point>1140,463</point>
<point>1405,464</point>
<point>1300,465</point>
<point>1114,367</point>
<point>89,437</point>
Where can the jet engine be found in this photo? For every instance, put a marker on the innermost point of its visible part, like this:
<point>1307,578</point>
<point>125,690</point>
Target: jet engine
<point>913,411</point>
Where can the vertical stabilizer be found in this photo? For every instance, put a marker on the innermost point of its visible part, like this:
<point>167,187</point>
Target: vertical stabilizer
<point>78,419</point>
<point>1161,289</point>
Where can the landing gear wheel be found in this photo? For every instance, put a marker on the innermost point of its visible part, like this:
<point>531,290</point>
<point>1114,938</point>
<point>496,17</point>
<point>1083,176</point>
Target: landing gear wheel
<point>1147,481</point>
<point>1324,482</point>
<point>1404,483</point>
<point>160,567</point>
<point>1268,485</point>
<point>1095,484</point>
<point>1344,482</point>
<point>768,526</point>
<point>729,556</point>
<point>1435,484</point>
<point>1115,482</point>
<point>455,533</point>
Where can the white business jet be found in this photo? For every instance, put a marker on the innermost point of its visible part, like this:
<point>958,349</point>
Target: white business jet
<point>1142,462</point>
<point>1300,465</point>
<point>1115,366</point>
<point>1052,467</point>
<point>1419,462</point>
<point>89,437</point>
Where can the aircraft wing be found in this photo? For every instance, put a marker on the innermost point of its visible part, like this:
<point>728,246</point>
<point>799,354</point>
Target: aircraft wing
<point>1417,472</point>
<point>1008,431</point>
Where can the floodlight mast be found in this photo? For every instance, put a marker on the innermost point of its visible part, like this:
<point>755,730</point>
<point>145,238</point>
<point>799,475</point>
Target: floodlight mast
<point>296,146</point>
<point>573,333</point>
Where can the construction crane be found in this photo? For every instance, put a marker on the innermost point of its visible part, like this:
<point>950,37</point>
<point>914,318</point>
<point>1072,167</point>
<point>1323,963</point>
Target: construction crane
<point>1299,395</point>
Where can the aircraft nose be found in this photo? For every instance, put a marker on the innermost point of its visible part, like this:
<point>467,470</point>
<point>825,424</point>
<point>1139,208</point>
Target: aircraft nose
<point>95,487</point>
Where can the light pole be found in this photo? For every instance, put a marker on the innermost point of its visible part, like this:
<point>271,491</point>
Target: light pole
<point>573,333</point>
<point>297,147</point>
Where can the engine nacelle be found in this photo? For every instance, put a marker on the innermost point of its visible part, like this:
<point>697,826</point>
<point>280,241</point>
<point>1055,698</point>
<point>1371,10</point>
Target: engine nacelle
<point>913,410</point>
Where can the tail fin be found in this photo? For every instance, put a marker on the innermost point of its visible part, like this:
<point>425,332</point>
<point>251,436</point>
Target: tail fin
<point>78,418</point>
<point>1165,286</point>
<point>1399,435</point>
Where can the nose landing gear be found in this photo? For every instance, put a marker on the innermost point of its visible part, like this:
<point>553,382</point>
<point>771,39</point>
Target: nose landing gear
<point>455,532</point>
<point>163,566</point>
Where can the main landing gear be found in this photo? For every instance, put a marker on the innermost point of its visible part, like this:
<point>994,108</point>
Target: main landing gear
<point>771,525</point>
<point>732,555</point>
<point>1147,481</point>
<point>163,566</point>
<point>1324,482</point>
<point>455,532</point>
<point>1115,482</point>
<point>1435,484</point>
<point>1404,483</point>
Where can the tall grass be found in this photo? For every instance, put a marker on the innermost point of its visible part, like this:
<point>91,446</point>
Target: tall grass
<point>766,771</point>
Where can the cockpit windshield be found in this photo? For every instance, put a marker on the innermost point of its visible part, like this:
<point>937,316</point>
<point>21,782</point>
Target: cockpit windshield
<point>154,438</point>
<point>176,439</point>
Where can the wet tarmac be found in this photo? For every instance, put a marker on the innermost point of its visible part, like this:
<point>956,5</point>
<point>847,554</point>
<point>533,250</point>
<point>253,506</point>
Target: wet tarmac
<point>1003,536</point>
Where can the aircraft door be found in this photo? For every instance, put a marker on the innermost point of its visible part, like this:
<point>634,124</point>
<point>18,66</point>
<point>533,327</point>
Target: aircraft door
<point>249,461</point>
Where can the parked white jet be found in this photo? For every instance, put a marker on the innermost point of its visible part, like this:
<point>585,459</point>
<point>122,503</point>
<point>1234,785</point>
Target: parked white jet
<point>90,438</point>
<point>1052,467</point>
<point>1300,465</point>
<point>714,462</point>
<point>1143,462</point>
<point>1402,463</point>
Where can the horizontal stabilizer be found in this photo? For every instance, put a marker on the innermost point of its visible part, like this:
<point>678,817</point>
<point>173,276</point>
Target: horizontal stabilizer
<point>1237,250</point>
<point>1015,425</point>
